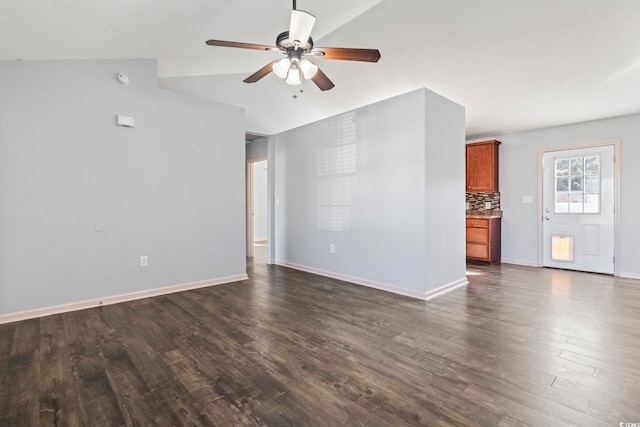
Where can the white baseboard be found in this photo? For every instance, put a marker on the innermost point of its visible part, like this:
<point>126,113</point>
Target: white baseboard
<point>517,262</point>
<point>629,275</point>
<point>377,285</point>
<point>115,299</point>
<point>625,274</point>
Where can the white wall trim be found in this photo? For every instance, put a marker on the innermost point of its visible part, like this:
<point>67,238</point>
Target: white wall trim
<point>518,262</point>
<point>629,275</point>
<point>377,285</point>
<point>115,299</point>
<point>271,205</point>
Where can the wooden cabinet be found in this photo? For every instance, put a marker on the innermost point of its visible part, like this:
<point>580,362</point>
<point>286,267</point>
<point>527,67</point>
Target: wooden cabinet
<point>482,166</point>
<point>483,239</point>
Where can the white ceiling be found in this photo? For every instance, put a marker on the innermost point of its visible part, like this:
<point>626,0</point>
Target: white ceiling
<point>514,64</point>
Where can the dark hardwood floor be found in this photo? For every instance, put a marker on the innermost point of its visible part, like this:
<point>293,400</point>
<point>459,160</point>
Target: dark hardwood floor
<point>518,346</point>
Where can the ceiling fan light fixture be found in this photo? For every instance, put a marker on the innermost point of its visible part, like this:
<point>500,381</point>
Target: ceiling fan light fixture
<point>293,77</point>
<point>308,68</point>
<point>296,44</point>
<point>281,68</point>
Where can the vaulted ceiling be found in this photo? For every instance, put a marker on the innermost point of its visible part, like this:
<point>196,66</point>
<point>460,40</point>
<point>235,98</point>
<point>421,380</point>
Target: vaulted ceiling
<point>515,65</point>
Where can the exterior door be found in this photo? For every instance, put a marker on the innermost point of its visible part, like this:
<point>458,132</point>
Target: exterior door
<point>578,209</point>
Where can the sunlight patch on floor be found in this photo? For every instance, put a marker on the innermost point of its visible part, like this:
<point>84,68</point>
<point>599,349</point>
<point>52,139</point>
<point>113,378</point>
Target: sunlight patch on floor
<point>474,273</point>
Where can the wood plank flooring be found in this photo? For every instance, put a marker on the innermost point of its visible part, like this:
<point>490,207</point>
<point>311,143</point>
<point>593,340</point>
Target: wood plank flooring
<point>519,346</point>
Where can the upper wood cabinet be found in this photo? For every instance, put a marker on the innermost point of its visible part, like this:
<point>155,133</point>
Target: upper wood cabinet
<point>482,166</point>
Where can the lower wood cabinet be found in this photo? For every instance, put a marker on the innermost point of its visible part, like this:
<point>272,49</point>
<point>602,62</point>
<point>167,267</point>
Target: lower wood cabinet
<point>483,239</point>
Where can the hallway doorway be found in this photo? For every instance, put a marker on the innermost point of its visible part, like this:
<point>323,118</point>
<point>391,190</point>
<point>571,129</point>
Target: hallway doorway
<point>257,206</point>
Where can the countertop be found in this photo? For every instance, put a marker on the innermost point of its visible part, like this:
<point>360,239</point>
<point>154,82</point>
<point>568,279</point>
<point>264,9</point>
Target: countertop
<point>484,214</point>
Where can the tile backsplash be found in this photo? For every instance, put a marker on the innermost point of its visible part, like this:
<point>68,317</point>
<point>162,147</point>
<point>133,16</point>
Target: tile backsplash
<point>478,200</point>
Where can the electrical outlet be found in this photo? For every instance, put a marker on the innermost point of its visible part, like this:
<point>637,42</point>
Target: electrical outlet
<point>144,261</point>
<point>332,248</point>
<point>527,199</point>
<point>467,205</point>
<point>487,205</point>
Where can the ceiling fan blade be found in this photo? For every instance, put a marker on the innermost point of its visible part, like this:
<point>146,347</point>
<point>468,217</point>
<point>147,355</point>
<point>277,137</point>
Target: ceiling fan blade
<point>348,54</point>
<point>260,73</point>
<point>322,81</point>
<point>224,43</point>
<point>301,26</point>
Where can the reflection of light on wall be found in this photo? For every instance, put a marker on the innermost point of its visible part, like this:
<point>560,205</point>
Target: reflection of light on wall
<point>334,202</point>
<point>336,160</point>
<point>336,175</point>
<point>623,72</point>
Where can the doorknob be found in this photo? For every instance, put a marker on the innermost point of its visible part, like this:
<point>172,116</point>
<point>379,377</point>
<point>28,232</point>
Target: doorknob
<point>547,218</point>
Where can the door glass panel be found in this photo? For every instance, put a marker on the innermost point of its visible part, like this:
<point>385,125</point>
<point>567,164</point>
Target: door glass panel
<point>592,203</point>
<point>592,185</point>
<point>562,203</point>
<point>575,179</point>
<point>592,165</point>
<point>576,203</point>
<point>577,166</point>
<point>576,184</point>
<point>562,167</point>
<point>562,185</point>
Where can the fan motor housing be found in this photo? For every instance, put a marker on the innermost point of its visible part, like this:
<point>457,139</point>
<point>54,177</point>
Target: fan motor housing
<point>283,42</point>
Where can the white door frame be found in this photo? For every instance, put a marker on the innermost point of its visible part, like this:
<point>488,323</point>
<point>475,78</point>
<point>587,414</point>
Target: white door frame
<point>616,195</point>
<point>249,204</point>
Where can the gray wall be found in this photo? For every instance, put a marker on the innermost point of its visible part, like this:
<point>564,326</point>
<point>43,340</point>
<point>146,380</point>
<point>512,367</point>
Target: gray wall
<point>171,189</point>
<point>257,149</point>
<point>519,177</point>
<point>444,190</point>
<point>369,182</point>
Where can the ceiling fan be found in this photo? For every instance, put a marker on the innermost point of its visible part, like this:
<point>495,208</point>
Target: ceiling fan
<point>297,45</point>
